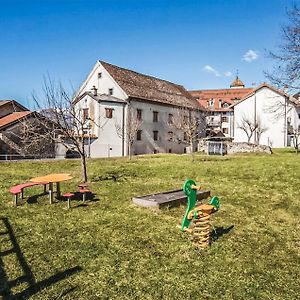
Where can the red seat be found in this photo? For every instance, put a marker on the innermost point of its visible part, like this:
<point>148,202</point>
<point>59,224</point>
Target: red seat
<point>68,195</point>
<point>84,192</point>
<point>18,189</point>
<point>83,185</point>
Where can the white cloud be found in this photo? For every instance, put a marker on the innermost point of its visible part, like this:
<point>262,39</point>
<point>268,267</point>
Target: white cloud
<point>210,69</point>
<point>250,55</point>
<point>227,74</point>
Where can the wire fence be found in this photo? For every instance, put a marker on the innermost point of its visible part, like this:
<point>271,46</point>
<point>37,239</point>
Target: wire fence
<point>17,157</point>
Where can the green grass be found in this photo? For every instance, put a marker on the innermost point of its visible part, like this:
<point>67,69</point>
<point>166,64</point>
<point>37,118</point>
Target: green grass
<point>127,252</point>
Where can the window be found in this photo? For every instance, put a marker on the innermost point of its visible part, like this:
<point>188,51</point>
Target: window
<point>170,150</point>
<point>139,135</point>
<point>225,105</point>
<point>211,102</point>
<point>85,114</point>
<point>110,91</point>
<point>184,136</point>
<point>155,151</point>
<point>108,113</point>
<point>170,119</point>
<point>139,114</point>
<point>224,119</point>
<point>155,135</point>
<point>99,75</point>
<point>225,130</point>
<point>185,119</point>
<point>170,134</point>
<point>184,150</point>
<point>155,116</point>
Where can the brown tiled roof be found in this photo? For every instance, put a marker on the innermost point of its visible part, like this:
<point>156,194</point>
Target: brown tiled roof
<point>229,96</point>
<point>11,118</point>
<point>137,85</point>
<point>2,102</point>
<point>14,103</point>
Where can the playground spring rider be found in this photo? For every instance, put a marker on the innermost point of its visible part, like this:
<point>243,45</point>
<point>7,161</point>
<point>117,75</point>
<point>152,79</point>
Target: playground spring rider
<point>199,215</point>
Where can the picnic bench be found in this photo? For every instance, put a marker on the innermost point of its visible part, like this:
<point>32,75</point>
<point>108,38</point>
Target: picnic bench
<point>18,189</point>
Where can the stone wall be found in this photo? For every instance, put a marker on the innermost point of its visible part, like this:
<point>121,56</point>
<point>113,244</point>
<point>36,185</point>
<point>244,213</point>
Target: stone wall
<point>238,147</point>
<point>247,147</point>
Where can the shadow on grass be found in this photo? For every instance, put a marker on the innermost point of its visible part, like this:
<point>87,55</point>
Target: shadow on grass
<point>219,231</point>
<point>34,287</point>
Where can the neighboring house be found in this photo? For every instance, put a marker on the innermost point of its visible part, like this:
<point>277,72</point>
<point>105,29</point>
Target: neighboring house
<point>218,104</point>
<point>112,97</point>
<point>13,141</point>
<point>275,112</point>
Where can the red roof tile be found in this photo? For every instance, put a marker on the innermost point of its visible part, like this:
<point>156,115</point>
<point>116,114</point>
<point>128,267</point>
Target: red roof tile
<point>229,96</point>
<point>13,117</point>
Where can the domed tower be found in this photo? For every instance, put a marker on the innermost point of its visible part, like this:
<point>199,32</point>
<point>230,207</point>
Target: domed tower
<point>237,83</point>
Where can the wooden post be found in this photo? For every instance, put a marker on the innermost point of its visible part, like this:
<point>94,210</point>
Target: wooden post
<point>58,189</point>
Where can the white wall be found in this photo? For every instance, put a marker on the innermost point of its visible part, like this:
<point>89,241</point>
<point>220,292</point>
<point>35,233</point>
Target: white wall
<point>148,144</point>
<point>103,84</point>
<point>269,107</point>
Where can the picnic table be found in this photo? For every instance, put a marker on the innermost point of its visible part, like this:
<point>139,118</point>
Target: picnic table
<point>53,178</point>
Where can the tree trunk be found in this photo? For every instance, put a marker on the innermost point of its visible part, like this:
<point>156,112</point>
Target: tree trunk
<point>192,150</point>
<point>83,162</point>
<point>129,151</point>
<point>83,168</point>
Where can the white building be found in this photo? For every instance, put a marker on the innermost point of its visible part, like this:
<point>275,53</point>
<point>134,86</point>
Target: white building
<point>111,95</point>
<point>275,111</point>
<point>218,103</point>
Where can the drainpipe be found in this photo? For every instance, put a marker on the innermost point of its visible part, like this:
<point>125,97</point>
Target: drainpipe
<point>255,119</point>
<point>285,121</point>
<point>123,130</point>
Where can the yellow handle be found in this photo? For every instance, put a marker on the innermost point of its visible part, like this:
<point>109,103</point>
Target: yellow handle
<point>194,187</point>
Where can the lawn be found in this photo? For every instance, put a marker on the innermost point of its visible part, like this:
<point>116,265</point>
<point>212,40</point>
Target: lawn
<point>112,249</point>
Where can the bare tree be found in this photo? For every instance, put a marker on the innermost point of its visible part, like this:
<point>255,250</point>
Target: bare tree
<point>260,129</point>
<point>252,127</point>
<point>60,122</point>
<point>129,133</point>
<point>286,73</point>
<point>191,123</point>
<point>295,136</point>
<point>248,126</point>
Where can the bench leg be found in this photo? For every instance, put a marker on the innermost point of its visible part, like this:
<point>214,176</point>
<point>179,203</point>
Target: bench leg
<point>69,202</point>
<point>58,190</point>
<point>45,189</point>
<point>22,194</point>
<point>50,192</point>
<point>16,199</point>
<point>83,197</point>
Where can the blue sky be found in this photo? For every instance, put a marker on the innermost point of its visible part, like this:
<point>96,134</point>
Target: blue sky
<point>199,44</point>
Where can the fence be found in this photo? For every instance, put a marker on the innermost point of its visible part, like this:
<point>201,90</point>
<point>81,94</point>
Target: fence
<point>8,157</point>
<point>216,148</point>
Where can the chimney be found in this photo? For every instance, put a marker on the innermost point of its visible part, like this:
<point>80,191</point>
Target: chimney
<point>94,90</point>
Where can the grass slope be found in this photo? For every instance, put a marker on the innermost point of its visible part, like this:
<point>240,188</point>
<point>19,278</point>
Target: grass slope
<point>127,252</point>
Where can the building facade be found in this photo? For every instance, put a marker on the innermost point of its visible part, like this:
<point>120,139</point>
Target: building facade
<point>113,99</point>
<point>218,104</point>
<point>273,111</point>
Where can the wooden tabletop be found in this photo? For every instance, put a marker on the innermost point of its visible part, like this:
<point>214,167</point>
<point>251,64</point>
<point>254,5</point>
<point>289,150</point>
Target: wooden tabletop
<point>52,178</point>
